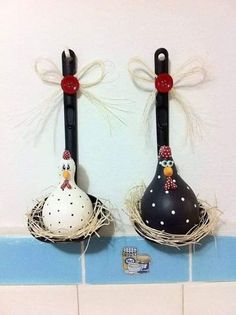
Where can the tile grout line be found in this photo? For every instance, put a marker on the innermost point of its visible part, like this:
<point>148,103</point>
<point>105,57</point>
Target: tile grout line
<point>77,292</point>
<point>82,259</point>
<point>190,277</point>
<point>182,289</point>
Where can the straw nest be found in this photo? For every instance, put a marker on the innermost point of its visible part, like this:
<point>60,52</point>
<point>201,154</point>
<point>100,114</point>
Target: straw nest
<point>101,216</point>
<point>209,217</point>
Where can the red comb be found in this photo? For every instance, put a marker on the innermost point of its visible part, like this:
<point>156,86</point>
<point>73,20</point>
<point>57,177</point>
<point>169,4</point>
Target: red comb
<point>165,152</point>
<point>66,155</point>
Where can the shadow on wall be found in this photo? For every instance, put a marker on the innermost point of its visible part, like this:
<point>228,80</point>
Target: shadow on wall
<point>185,249</point>
<point>78,247</point>
<point>169,250</point>
<point>82,178</point>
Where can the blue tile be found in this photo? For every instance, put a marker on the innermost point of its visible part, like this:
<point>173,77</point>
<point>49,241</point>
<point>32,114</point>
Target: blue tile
<point>28,261</point>
<point>215,260</point>
<point>104,262</point>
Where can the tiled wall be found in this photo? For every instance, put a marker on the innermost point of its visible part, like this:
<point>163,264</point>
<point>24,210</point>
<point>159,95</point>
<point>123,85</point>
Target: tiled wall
<point>155,299</point>
<point>25,261</point>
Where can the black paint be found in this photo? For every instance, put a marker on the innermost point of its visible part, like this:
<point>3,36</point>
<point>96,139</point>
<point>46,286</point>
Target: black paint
<point>165,203</point>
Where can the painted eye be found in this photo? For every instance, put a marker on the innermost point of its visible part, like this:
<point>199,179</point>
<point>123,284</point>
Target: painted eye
<point>63,167</point>
<point>164,163</point>
<point>68,167</point>
<point>170,163</point>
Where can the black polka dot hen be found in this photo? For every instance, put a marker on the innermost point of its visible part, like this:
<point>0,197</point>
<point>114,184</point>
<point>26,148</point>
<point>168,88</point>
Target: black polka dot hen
<point>169,204</point>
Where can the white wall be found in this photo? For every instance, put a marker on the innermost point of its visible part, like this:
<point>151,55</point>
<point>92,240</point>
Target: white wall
<point>116,31</point>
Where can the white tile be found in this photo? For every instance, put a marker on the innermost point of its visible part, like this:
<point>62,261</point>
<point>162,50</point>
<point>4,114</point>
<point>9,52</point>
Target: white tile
<point>150,299</point>
<point>210,298</point>
<point>38,300</point>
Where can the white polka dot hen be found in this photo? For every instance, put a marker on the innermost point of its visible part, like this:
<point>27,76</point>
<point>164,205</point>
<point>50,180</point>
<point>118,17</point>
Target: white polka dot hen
<point>68,208</point>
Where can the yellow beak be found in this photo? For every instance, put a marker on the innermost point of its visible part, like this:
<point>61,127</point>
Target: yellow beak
<point>168,171</point>
<point>66,175</point>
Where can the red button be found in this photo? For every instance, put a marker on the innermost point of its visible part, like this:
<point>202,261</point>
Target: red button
<point>164,83</point>
<point>70,84</point>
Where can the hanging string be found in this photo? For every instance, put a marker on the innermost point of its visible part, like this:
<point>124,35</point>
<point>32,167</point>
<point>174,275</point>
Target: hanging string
<point>191,74</point>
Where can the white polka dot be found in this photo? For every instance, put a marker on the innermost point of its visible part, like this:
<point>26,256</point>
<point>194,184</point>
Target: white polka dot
<point>161,223</point>
<point>188,188</point>
<point>167,191</point>
<point>147,221</point>
<point>174,180</point>
<point>153,204</point>
<point>151,190</point>
<point>173,212</point>
<point>182,198</point>
<point>159,176</point>
<point>187,221</point>
<point>195,206</point>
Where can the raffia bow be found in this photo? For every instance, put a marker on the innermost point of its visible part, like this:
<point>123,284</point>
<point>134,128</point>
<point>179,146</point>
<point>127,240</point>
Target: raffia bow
<point>49,73</point>
<point>191,74</point>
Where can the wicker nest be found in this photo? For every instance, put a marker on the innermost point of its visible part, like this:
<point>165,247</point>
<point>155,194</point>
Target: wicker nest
<point>209,217</point>
<point>101,216</point>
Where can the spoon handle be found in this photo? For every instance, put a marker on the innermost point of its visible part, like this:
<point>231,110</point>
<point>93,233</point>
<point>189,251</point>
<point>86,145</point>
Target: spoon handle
<point>162,100</point>
<point>70,106</point>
